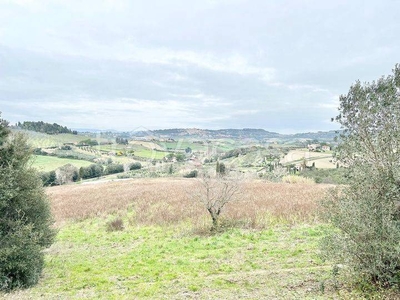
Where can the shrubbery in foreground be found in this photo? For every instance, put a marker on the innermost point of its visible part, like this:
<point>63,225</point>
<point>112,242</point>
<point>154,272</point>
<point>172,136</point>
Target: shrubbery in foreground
<point>365,214</point>
<point>25,218</point>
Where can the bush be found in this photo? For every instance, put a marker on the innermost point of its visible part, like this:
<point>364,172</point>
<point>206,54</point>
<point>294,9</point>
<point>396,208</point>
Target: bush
<point>25,223</point>
<point>135,166</point>
<point>91,171</point>
<point>191,174</point>
<point>365,215</point>
<point>114,168</point>
<point>329,176</point>
<point>49,178</point>
<point>368,222</point>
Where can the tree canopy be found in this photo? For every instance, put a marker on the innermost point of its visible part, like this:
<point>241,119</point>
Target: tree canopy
<point>43,127</point>
<point>366,212</point>
<point>25,218</point>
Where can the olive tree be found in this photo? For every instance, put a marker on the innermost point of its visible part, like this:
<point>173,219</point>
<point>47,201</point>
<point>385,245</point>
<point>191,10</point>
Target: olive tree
<point>215,192</point>
<point>365,213</point>
<point>25,219</point>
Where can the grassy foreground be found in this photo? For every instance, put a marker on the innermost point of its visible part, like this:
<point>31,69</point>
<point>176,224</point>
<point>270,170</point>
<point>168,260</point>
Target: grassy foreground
<point>172,263</point>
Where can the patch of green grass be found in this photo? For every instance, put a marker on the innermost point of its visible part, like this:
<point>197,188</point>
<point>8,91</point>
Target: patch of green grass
<point>154,262</point>
<point>50,163</point>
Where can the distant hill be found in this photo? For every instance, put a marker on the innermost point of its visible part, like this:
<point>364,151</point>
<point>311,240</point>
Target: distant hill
<point>320,135</point>
<point>246,133</point>
<point>215,134</point>
<point>176,133</point>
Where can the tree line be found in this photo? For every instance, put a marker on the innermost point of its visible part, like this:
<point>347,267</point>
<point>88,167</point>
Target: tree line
<point>43,127</point>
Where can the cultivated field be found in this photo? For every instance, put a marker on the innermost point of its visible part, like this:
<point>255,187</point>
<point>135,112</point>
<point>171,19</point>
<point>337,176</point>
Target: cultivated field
<point>268,250</point>
<point>322,160</point>
<point>49,163</point>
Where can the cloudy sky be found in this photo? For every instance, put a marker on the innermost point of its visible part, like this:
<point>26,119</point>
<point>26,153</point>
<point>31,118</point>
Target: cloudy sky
<point>123,64</point>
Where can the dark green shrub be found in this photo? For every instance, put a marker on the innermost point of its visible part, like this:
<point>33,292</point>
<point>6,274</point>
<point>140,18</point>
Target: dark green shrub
<point>114,168</point>
<point>49,178</point>
<point>365,214</point>
<point>92,171</point>
<point>135,166</point>
<point>191,174</point>
<point>25,222</point>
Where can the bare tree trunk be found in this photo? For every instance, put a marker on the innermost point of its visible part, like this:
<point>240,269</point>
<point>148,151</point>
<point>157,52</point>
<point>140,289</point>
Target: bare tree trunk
<point>215,223</point>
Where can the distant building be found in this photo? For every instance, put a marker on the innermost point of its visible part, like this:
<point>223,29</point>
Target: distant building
<point>314,147</point>
<point>326,148</point>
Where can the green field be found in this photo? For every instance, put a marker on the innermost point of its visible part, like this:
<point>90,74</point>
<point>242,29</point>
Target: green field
<point>50,163</point>
<point>161,263</point>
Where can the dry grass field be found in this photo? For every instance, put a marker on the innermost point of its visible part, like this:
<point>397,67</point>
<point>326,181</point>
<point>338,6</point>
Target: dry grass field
<point>168,201</point>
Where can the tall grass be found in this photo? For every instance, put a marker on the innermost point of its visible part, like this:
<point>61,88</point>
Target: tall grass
<point>167,201</point>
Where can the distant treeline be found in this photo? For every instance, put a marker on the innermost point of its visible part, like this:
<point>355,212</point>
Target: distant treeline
<point>45,127</point>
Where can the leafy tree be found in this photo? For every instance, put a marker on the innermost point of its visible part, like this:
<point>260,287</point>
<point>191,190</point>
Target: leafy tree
<point>114,168</point>
<point>25,218</point>
<point>220,168</point>
<point>122,141</point>
<point>49,178</point>
<point>92,171</point>
<point>135,166</point>
<point>367,212</point>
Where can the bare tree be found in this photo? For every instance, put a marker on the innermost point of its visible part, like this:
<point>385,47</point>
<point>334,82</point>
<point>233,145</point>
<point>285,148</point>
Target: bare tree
<point>66,174</point>
<point>214,192</point>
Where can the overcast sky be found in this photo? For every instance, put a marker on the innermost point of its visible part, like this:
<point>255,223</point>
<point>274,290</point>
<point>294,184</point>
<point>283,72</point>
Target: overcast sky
<point>277,65</point>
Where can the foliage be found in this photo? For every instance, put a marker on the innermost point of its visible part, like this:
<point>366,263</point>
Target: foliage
<point>39,151</point>
<point>191,174</point>
<point>220,168</point>
<point>25,223</point>
<point>71,154</point>
<point>92,171</point>
<point>178,156</point>
<point>366,213</point>
<point>88,142</point>
<point>48,178</point>
<point>327,176</point>
<point>114,168</point>
<point>66,174</point>
<point>276,174</point>
<point>45,127</point>
<point>135,166</point>
<point>121,141</point>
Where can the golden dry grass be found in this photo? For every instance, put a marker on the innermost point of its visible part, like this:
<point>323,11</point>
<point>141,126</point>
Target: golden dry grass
<point>167,201</point>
